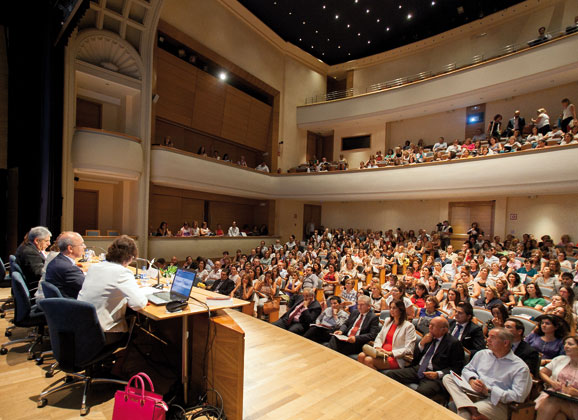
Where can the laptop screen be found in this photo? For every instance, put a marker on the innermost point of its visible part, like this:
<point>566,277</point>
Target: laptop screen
<point>183,282</point>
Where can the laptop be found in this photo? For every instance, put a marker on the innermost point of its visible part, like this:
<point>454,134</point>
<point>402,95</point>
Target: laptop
<point>180,289</point>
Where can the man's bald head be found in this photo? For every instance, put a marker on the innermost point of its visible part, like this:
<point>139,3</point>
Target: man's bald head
<point>439,326</point>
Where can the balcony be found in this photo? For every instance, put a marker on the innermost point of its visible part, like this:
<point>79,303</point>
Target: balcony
<point>531,172</point>
<point>512,74</point>
<point>106,154</point>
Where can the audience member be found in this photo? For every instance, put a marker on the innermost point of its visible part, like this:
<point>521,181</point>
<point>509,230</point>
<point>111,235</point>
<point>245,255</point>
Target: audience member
<point>301,314</point>
<point>461,327</point>
<point>233,230</point>
<point>30,255</point>
<point>496,375</point>
<point>331,319</point>
<point>548,335</point>
<point>521,348</point>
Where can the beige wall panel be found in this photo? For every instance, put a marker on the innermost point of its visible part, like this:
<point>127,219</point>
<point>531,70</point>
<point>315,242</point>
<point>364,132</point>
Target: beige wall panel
<point>209,104</point>
<point>176,82</point>
<point>236,115</point>
<point>193,209</point>
<point>224,213</point>
<point>165,208</point>
<point>259,124</point>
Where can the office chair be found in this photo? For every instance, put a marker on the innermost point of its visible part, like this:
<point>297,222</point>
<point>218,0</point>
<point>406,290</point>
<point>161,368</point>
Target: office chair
<point>8,302</point>
<point>50,291</point>
<point>26,315</point>
<point>78,346</point>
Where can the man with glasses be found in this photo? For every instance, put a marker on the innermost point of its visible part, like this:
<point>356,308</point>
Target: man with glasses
<point>30,255</point>
<point>361,328</point>
<point>62,271</point>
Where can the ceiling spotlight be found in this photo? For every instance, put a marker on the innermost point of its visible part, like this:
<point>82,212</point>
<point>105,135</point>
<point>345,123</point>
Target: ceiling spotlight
<point>290,13</point>
<point>316,31</point>
<point>433,3</point>
<point>409,16</point>
<point>399,6</point>
<point>328,40</point>
<point>348,25</point>
<point>312,46</point>
<point>339,46</point>
<point>324,6</point>
<point>369,42</point>
<point>359,34</point>
<point>300,39</point>
<point>387,29</point>
<point>378,20</point>
<point>356,1</point>
<point>223,76</point>
<point>336,16</point>
<point>367,11</point>
<point>303,22</point>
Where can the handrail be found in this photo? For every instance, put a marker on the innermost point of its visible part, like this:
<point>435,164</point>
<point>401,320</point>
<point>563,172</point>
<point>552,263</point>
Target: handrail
<point>110,133</point>
<point>447,68</point>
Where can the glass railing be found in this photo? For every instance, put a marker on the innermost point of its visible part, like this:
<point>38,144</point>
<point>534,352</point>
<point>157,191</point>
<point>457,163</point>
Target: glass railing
<point>551,36</point>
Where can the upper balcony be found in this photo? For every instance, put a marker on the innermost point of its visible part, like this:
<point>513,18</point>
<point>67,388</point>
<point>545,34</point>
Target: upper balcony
<point>545,171</point>
<point>511,74</point>
<point>105,153</point>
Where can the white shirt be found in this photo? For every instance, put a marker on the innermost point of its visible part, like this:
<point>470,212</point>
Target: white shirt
<point>110,287</point>
<point>262,167</point>
<point>233,231</point>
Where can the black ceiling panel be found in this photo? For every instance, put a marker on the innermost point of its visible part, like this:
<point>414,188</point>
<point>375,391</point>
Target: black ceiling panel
<point>336,31</point>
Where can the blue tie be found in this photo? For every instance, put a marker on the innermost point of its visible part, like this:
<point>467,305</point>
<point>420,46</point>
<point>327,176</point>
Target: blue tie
<point>458,331</point>
<point>426,359</point>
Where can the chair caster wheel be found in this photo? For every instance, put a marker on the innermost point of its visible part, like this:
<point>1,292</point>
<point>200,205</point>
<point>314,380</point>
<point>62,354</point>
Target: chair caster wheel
<point>42,403</point>
<point>39,360</point>
<point>49,374</point>
<point>3,350</point>
<point>2,315</point>
<point>8,333</point>
<point>68,380</point>
<point>84,411</point>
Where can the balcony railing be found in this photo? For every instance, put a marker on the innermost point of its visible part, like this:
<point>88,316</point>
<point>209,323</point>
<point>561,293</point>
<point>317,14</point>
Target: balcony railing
<point>445,69</point>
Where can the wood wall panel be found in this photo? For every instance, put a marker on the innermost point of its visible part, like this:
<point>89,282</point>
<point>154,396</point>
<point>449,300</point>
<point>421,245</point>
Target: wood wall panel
<point>209,104</point>
<point>259,124</point>
<point>165,208</point>
<point>176,132</point>
<point>193,209</point>
<point>224,213</point>
<point>176,85</point>
<point>236,115</point>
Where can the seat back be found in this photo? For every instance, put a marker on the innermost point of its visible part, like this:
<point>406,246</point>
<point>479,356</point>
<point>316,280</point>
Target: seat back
<point>75,344</point>
<point>15,267</point>
<point>2,270</point>
<point>50,291</point>
<point>547,291</point>
<point>526,310</point>
<point>21,295</point>
<point>483,315</point>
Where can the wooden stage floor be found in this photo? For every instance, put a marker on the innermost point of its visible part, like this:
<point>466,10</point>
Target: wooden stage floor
<point>286,377</point>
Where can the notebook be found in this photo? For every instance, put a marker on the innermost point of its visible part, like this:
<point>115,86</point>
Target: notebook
<point>180,289</point>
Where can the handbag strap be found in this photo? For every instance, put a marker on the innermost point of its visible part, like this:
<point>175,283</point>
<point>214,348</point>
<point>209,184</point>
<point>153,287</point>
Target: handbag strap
<point>142,385</point>
<point>144,375</point>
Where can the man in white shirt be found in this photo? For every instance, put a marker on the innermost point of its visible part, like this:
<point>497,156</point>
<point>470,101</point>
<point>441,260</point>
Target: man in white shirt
<point>262,167</point>
<point>440,145</point>
<point>277,246</point>
<point>234,230</point>
<point>491,257</point>
<point>497,375</point>
<point>291,243</point>
<point>214,274</point>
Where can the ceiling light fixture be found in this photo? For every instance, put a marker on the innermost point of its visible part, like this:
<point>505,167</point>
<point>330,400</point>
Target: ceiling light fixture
<point>409,16</point>
<point>223,76</point>
<point>367,11</point>
<point>336,16</point>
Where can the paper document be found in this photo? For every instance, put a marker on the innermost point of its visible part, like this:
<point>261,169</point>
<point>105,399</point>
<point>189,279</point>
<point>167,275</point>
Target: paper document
<point>340,337</point>
<point>462,383</point>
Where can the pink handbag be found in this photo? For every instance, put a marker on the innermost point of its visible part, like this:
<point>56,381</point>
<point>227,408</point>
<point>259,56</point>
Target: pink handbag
<point>135,403</point>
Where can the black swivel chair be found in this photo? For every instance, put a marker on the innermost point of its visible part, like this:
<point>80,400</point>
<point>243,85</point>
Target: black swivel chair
<point>5,279</point>
<point>26,315</point>
<point>50,291</point>
<point>78,346</point>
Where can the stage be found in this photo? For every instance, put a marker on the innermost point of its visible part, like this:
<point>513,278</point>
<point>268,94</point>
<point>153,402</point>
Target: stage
<point>285,377</point>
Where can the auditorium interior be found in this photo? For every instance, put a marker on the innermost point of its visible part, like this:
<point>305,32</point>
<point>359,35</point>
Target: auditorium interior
<point>119,115</point>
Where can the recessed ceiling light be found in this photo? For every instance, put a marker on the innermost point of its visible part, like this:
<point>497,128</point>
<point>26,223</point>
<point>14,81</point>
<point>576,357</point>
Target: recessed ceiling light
<point>328,40</point>
<point>312,46</point>
<point>223,75</point>
<point>324,6</point>
<point>433,3</point>
<point>378,20</point>
<point>387,29</point>
<point>304,22</point>
<point>409,16</point>
<point>348,53</point>
<point>336,16</point>
<point>348,25</point>
<point>369,42</point>
<point>290,13</point>
<point>356,1</point>
<point>359,34</point>
<point>339,46</point>
<point>300,39</point>
<point>367,11</point>
<point>316,31</point>
<point>400,6</point>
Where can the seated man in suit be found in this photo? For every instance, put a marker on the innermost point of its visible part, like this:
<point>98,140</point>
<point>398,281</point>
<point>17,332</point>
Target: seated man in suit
<point>224,285</point>
<point>462,328</point>
<point>497,377</point>
<point>522,349</point>
<point>433,357</point>
<point>30,255</point>
<point>62,270</point>
<point>301,314</point>
<point>361,327</point>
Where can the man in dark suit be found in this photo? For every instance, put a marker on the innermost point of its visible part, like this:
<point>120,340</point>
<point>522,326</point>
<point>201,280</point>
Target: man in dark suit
<point>30,255</point>
<point>522,349</point>
<point>62,270</point>
<point>433,357</point>
<point>515,123</point>
<point>301,314</point>
<point>470,335</point>
<point>361,327</point>
<point>224,285</point>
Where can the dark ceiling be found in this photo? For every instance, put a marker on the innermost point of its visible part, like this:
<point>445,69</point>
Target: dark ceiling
<point>336,31</point>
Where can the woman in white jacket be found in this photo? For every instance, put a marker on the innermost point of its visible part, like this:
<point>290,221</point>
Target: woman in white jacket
<point>395,341</point>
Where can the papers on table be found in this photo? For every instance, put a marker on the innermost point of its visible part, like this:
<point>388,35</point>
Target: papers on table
<point>219,300</point>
